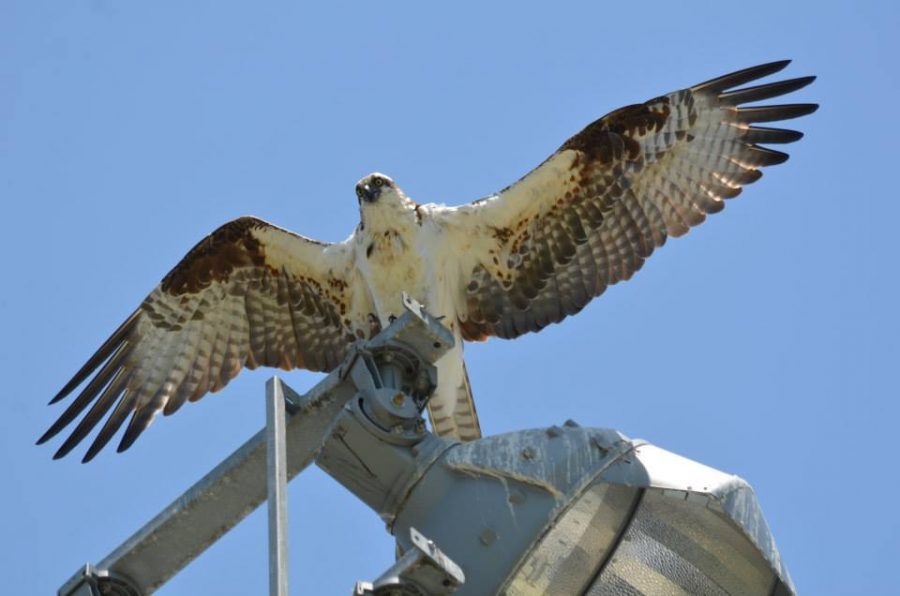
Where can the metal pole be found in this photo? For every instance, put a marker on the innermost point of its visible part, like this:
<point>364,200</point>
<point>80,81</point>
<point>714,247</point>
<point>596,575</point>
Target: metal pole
<point>276,460</point>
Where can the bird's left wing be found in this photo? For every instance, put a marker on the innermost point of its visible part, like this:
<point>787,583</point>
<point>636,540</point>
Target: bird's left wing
<point>250,294</point>
<point>587,217</point>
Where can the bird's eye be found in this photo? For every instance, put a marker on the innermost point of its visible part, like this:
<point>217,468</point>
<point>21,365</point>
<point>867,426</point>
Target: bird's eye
<point>378,181</point>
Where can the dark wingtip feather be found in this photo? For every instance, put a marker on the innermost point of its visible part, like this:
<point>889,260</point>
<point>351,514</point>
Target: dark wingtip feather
<point>96,413</point>
<point>768,157</point>
<point>125,445</point>
<point>140,420</point>
<point>113,424</point>
<point>64,450</point>
<point>773,113</point>
<point>99,356</point>
<point>740,77</point>
<point>761,134</point>
<point>762,92</point>
<point>89,394</point>
<point>91,454</point>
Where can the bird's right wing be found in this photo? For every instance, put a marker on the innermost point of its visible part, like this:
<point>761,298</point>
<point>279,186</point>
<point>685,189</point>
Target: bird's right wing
<point>250,294</point>
<point>541,249</point>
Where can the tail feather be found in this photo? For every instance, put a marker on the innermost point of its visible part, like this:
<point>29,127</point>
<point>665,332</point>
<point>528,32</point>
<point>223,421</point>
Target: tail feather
<point>458,418</point>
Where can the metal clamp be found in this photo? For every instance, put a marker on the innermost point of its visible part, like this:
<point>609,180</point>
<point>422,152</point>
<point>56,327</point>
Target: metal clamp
<point>91,581</point>
<point>423,571</point>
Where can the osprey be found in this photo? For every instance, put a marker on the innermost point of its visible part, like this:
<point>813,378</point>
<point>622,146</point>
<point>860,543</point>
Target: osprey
<point>252,294</point>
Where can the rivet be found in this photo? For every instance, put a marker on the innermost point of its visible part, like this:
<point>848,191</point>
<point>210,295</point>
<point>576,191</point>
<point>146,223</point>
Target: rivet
<point>487,537</point>
<point>599,445</point>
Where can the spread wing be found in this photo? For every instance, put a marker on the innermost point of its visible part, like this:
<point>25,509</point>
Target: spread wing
<point>250,294</point>
<point>587,217</point>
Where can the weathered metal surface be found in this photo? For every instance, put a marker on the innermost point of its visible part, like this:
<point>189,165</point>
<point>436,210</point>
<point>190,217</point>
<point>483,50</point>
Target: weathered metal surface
<point>571,510</point>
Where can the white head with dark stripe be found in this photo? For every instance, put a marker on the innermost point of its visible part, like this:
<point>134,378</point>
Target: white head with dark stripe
<point>380,200</point>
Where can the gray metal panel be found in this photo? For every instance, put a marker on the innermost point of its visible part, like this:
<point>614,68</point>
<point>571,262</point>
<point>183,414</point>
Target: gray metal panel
<point>485,503</point>
<point>502,506</point>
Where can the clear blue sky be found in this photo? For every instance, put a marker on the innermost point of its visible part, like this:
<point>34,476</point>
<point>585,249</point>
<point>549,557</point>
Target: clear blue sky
<point>764,343</point>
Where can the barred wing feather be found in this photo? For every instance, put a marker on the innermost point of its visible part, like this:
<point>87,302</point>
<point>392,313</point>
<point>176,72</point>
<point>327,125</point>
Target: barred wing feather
<point>248,295</point>
<point>591,214</point>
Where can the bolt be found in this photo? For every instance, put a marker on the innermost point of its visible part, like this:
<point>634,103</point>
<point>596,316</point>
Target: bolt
<point>571,423</point>
<point>599,445</point>
<point>516,497</point>
<point>528,453</point>
<point>398,399</point>
<point>487,537</point>
<point>553,432</point>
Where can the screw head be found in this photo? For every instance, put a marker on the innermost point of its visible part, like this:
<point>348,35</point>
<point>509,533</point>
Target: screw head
<point>516,497</point>
<point>487,537</point>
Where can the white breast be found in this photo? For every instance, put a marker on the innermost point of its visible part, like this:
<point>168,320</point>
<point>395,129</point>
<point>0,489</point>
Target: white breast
<point>408,257</point>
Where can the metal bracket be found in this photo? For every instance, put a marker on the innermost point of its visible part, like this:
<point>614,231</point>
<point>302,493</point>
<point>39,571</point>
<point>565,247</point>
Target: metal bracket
<point>90,581</point>
<point>423,570</point>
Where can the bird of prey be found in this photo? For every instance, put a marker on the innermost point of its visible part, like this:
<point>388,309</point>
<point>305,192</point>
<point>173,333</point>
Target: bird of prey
<point>253,294</point>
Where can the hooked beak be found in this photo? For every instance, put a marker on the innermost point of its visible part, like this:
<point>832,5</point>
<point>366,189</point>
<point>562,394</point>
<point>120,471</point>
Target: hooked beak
<point>368,192</point>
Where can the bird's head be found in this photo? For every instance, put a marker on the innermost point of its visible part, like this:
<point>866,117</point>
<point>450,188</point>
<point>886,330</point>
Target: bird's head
<point>372,187</point>
<point>382,204</point>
